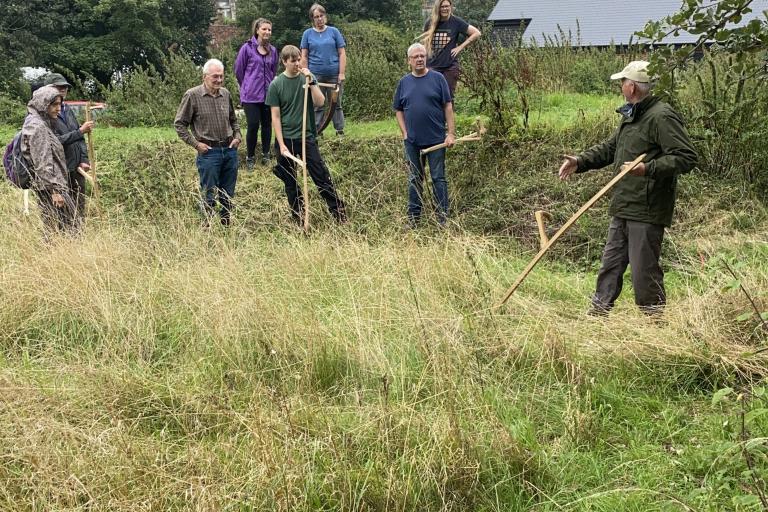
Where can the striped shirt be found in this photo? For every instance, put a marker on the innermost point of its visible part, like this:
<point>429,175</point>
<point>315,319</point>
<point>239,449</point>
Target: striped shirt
<point>211,118</point>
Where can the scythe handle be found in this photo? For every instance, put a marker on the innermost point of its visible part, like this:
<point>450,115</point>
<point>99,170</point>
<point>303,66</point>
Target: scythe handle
<point>472,136</point>
<point>541,216</point>
<point>298,161</point>
<point>568,225</point>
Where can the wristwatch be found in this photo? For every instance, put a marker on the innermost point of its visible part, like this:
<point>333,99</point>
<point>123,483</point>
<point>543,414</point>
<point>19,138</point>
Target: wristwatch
<point>313,82</point>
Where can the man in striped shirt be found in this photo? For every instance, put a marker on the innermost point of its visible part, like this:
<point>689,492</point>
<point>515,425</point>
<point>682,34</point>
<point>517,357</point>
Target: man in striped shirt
<point>215,133</point>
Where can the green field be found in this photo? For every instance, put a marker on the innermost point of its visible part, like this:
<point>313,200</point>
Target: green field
<point>155,365</point>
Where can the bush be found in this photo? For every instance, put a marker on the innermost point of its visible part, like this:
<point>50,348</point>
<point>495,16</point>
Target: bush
<point>148,96</point>
<point>591,73</point>
<point>726,107</point>
<point>377,61</point>
<point>12,110</point>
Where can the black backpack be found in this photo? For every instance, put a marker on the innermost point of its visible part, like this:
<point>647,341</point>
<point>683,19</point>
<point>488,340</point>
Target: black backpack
<point>17,168</point>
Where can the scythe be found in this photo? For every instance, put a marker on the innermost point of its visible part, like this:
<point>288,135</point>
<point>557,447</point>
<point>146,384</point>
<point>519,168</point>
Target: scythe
<point>328,114</point>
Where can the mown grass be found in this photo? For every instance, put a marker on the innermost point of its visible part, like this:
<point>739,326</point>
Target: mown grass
<point>154,365</point>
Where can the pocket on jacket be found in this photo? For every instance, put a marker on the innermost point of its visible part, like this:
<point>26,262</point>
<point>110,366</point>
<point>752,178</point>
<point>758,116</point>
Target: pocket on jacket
<point>650,185</point>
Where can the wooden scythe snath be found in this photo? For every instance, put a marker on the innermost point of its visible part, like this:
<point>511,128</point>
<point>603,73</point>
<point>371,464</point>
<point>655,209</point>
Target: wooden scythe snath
<point>475,135</point>
<point>91,155</point>
<point>307,79</point>
<point>328,114</point>
<point>547,243</point>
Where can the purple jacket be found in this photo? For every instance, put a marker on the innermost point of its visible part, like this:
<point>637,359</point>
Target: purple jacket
<point>255,71</point>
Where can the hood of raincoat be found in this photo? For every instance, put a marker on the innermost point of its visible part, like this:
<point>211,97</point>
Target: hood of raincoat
<point>41,100</point>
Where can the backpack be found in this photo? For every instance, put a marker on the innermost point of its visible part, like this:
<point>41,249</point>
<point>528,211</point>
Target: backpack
<point>17,168</point>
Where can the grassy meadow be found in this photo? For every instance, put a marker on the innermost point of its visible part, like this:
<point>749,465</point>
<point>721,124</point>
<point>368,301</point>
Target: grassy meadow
<point>153,365</point>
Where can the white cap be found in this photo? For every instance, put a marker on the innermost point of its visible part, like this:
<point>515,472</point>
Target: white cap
<point>637,71</point>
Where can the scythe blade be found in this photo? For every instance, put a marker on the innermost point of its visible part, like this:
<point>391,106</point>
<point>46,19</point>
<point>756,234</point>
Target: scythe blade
<point>328,114</point>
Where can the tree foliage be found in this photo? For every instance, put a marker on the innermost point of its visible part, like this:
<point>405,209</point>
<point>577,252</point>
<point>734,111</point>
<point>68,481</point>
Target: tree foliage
<point>723,95</point>
<point>290,18</point>
<point>100,37</point>
<point>475,12</point>
<point>712,22</point>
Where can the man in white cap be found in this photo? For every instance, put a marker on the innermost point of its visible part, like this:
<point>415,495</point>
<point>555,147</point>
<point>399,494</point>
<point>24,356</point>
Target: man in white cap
<point>643,201</point>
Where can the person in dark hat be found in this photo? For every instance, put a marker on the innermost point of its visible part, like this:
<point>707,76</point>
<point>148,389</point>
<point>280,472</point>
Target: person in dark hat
<point>72,136</point>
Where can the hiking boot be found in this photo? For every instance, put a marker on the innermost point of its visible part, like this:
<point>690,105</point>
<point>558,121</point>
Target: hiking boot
<point>249,163</point>
<point>265,158</point>
<point>340,133</point>
<point>597,312</point>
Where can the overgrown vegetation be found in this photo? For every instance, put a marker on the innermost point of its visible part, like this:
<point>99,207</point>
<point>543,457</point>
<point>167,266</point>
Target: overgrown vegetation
<point>155,365</point>
<point>152,364</point>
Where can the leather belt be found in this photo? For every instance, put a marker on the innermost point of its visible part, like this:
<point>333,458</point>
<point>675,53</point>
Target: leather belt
<point>216,143</point>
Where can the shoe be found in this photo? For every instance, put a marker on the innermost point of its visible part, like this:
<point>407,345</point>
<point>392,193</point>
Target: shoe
<point>340,216</point>
<point>597,312</point>
<point>249,163</point>
<point>340,133</point>
<point>265,159</point>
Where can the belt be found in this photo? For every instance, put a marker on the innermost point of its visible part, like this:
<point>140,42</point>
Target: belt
<point>216,143</point>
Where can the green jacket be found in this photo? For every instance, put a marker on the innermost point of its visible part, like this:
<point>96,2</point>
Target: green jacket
<point>654,128</point>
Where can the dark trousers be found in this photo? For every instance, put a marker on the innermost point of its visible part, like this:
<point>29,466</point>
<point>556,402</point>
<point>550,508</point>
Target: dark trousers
<point>77,193</point>
<point>451,75</point>
<point>637,244</point>
<point>218,174</point>
<point>56,219</point>
<point>416,164</point>
<point>258,114</point>
<point>287,171</point>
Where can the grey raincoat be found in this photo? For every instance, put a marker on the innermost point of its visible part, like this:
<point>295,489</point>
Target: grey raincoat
<point>41,146</point>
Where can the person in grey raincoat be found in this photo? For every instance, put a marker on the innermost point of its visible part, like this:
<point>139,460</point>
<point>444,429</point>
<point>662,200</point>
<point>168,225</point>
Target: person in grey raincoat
<point>45,154</point>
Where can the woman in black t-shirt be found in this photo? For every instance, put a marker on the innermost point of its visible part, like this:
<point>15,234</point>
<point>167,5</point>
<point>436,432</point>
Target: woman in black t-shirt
<point>440,37</point>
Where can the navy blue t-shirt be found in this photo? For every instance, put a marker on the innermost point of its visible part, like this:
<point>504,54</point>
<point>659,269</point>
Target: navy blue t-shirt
<point>446,38</point>
<point>422,100</point>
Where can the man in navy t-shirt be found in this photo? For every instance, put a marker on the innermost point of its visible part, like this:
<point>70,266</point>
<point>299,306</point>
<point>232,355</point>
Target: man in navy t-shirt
<point>423,107</point>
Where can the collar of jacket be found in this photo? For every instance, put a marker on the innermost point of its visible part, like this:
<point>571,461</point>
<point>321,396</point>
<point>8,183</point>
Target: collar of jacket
<point>632,110</point>
<point>253,42</point>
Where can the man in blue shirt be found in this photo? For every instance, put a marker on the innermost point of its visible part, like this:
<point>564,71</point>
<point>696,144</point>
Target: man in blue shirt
<point>423,108</point>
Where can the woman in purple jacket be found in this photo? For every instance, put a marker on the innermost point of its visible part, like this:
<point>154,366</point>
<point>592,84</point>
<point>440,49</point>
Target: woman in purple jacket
<point>255,68</point>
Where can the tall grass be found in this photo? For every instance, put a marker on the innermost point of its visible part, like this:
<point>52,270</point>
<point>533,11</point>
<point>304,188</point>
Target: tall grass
<point>154,365</point>
<point>148,367</point>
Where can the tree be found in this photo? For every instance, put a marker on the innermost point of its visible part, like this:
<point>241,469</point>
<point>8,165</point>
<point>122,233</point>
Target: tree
<point>100,37</point>
<point>290,17</point>
<point>716,22</point>
<point>475,12</point>
<point>723,95</point>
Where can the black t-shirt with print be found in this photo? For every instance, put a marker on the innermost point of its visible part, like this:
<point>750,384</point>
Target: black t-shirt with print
<point>446,39</point>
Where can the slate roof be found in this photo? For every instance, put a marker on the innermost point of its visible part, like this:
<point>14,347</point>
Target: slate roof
<point>600,22</point>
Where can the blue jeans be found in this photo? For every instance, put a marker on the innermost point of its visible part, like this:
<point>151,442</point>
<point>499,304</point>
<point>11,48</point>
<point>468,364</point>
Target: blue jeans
<point>218,175</point>
<point>416,162</point>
